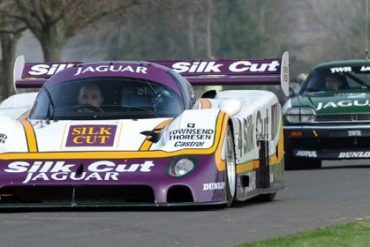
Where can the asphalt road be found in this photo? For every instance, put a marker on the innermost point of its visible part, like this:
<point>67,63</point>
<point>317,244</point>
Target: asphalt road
<point>313,198</point>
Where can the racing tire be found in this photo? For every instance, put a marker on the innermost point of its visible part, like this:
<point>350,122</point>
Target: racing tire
<point>230,171</point>
<point>292,163</point>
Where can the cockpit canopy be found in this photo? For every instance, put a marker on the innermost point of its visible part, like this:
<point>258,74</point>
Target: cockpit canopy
<point>106,98</point>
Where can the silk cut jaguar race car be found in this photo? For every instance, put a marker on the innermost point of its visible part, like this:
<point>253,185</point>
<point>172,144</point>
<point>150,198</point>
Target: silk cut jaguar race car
<point>133,133</point>
<point>329,119</point>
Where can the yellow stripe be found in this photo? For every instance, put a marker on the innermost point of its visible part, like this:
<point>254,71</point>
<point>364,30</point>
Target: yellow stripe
<point>279,155</point>
<point>221,164</point>
<point>275,159</point>
<point>145,146</point>
<point>247,166</point>
<point>206,104</point>
<point>30,136</point>
<point>120,154</point>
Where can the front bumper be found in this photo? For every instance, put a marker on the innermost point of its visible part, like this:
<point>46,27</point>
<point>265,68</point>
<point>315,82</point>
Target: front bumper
<point>328,141</point>
<point>108,183</point>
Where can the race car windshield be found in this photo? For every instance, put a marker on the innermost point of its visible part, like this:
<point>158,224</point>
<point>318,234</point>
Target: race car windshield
<point>345,78</point>
<point>106,98</point>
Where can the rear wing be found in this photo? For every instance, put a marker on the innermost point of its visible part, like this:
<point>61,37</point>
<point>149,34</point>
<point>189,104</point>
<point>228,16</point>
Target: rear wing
<point>34,75</point>
<point>234,72</point>
<point>197,72</point>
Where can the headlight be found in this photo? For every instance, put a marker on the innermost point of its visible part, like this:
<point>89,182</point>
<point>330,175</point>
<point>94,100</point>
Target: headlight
<point>300,115</point>
<point>181,167</point>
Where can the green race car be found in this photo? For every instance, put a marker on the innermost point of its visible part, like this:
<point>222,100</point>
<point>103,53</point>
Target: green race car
<point>329,118</point>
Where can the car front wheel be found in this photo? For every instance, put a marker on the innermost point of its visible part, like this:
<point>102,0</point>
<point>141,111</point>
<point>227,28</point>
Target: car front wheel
<point>230,172</point>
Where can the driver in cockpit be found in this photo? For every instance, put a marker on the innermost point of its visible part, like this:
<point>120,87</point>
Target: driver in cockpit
<point>90,94</point>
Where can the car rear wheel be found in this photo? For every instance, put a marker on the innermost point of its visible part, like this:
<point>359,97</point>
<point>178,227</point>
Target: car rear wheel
<point>230,172</point>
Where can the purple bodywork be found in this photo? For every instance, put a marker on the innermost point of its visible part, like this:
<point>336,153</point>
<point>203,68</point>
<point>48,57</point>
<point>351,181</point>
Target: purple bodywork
<point>151,177</point>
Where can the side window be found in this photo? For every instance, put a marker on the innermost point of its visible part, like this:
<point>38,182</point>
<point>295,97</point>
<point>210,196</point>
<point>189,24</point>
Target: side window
<point>41,105</point>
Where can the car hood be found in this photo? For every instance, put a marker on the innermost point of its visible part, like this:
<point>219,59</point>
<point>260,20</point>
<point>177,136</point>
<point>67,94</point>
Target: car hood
<point>193,129</point>
<point>334,102</point>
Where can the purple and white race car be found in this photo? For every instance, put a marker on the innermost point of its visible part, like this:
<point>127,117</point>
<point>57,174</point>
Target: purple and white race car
<point>125,133</point>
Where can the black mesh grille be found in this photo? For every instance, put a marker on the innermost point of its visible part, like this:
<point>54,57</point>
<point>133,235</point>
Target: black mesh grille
<point>343,118</point>
<point>80,195</point>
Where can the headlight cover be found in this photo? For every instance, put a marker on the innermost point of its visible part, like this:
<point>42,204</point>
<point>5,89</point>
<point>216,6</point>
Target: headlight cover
<point>300,115</point>
<point>181,167</point>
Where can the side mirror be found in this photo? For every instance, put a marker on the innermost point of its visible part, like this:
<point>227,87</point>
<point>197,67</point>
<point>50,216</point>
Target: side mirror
<point>294,88</point>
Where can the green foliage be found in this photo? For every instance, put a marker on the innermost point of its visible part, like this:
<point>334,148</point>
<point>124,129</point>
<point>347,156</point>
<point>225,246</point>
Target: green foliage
<point>162,30</point>
<point>238,33</point>
<point>151,32</point>
<point>354,234</point>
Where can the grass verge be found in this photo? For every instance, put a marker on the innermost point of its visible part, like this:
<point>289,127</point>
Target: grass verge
<point>353,234</point>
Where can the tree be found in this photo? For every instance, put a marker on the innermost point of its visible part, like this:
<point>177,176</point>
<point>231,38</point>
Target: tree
<point>54,22</point>
<point>10,32</point>
<point>160,29</point>
<point>237,35</point>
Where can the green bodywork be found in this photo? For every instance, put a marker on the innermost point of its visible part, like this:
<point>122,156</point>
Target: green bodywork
<point>335,103</point>
<point>353,100</point>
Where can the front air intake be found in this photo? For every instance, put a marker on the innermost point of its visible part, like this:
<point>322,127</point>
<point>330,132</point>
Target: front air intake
<point>76,195</point>
<point>178,194</point>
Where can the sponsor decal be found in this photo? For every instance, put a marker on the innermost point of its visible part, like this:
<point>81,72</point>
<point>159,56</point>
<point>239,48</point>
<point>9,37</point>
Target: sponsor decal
<point>111,68</point>
<point>246,137</point>
<point>354,133</point>
<point>191,134</point>
<point>191,125</point>
<point>343,103</point>
<point>3,138</point>
<point>305,153</point>
<point>214,67</point>
<point>343,155</point>
<point>214,186</point>
<point>365,68</point>
<point>186,144</point>
<point>340,69</point>
<point>48,69</point>
<point>102,170</point>
<point>356,95</point>
<point>262,125</point>
<point>91,135</point>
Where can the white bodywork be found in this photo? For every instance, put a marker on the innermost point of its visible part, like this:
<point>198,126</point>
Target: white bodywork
<point>14,106</point>
<point>258,118</point>
<point>255,116</point>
